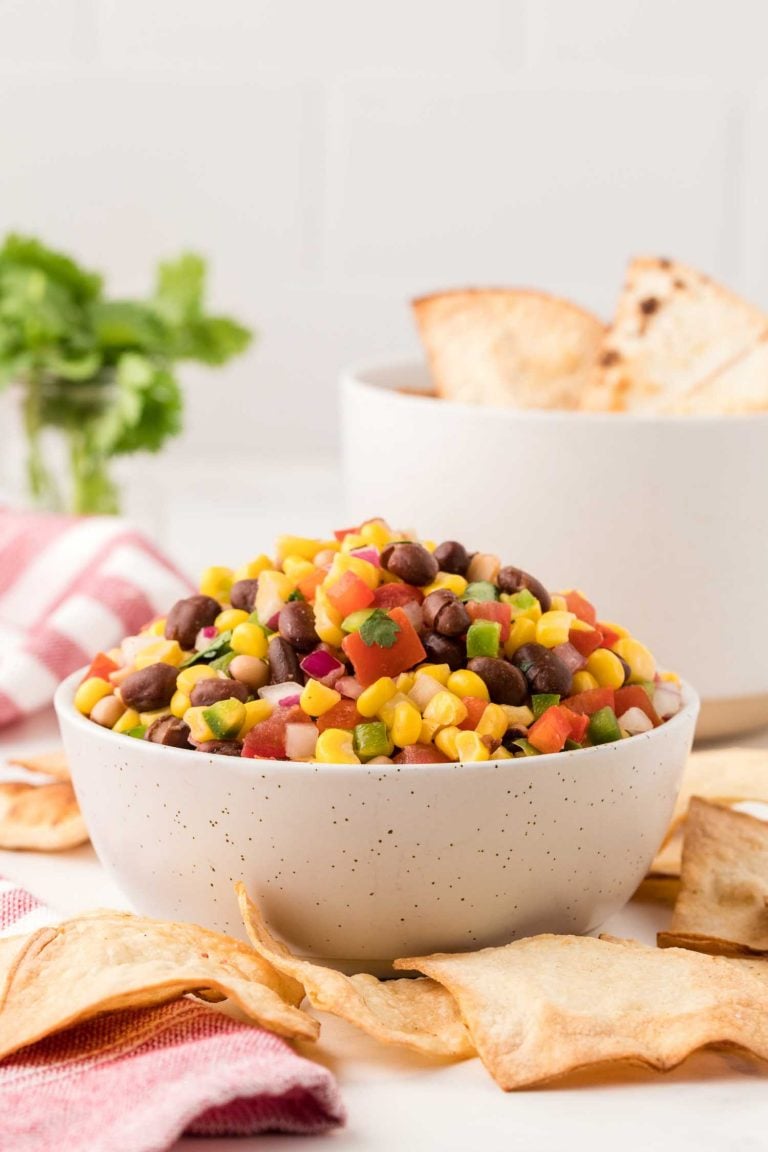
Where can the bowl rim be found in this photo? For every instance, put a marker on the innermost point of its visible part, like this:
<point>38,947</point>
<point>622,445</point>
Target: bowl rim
<point>356,376</point>
<point>65,708</point>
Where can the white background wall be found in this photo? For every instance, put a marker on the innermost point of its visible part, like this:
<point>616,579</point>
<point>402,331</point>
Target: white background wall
<point>336,157</point>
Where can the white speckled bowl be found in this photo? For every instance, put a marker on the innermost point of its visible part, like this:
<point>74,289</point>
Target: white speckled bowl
<point>358,865</point>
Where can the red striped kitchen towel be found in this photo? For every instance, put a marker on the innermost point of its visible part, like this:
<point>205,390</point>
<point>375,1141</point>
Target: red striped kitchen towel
<point>69,588</point>
<point>135,1081</point>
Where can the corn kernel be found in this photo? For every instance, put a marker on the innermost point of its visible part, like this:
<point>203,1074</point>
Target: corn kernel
<point>296,568</point>
<point>619,629</point>
<point>161,652</point>
<point>271,595</point>
<point>470,747</point>
<point>351,541</point>
<point>230,618</point>
<point>301,546</point>
<point>157,627</point>
<point>129,719</point>
<point>253,568</point>
<point>493,722</point>
<point>406,725</point>
<point>439,672</point>
<point>501,753</point>
<point>552,628</point>
<point>583,681</point>
<point>606,668</point>
<point>180,702</point>
<point>558,603</point>
<point>428,730</point>
<point>669,677</point>
<point>372,700</point>
<point>387,711</point>
<point>342,563</point>
<point>522,631</point>
<point>446,710</point>
<point>327,619</point>
<point>188,677</point>
<point>467,683</point>
<point>249,640</point>
<point>148,718</point>
<point>334,746</point>
<point>445,740</point>
<point>198,726</point>
<point>376,532</point>
<point>316,699</point>
<point>217,582</point>
<point>405,682</point>
<point>641,663</point>
<point>450,580</point>
<point>255,712</point>
<point>90,692</point>
<point>517,717</point>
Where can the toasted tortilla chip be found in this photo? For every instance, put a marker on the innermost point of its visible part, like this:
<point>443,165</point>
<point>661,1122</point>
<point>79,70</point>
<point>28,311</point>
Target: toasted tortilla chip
<point>48,763</point>
<point>508,347</point>
<point>107,961</point>
<point>673,329</point>
<point>548,1005</point>
<point>40,817</point>
<point>740,387</point>
<point>418,1014</point>
<point>723,903</point>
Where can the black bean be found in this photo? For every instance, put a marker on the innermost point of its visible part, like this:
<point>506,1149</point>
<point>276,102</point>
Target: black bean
<point>505,683</point>
<point>410,562</point>
<point>543,669</point>
<point>149,688</point>
<point>445,614</point>
<point>169,730</point>
<point>511,735</point>
<point>434,603</point>
<point>187,617</point>
<point>221,747</point>
<point>215,688</point>
<point>297,624</point>
<point>626,667</point>
<point>443,650</point>
<point>452,557</point>
<point>283,663</point>
<point>243,595</point>
<point>515,579</point>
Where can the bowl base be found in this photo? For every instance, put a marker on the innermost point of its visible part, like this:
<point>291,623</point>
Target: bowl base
<point>734,717</point>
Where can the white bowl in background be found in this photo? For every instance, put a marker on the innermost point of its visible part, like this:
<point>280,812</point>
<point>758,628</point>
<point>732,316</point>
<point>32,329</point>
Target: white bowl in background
<point>356,865</point>
<point>660,520</point>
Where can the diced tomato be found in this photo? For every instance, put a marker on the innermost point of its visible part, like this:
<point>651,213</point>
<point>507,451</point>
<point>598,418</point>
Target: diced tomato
<point>372,661</point>
<point>586,703</point>
<point>550,732</point>
<point>492,610</point>
<point>266,741</point>
<point>309,584</point>
<point>421,754</point>
<point>342,715</point>
<point>349,594</point>
<point>395,595</point>
<point>340,533</point>
<point>475,708</point>
<point>579,724</point>
<point>580,607</point>
<point>101,666</point>
<point>635,696</point>
<point>585,642</point>
<point>610,637</point>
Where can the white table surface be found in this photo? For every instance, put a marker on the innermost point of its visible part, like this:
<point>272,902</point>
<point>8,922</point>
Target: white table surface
<point>397,1100</point>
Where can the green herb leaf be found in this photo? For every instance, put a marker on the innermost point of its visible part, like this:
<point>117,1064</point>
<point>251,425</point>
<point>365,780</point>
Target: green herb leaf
<point>379,629</point>
<point>296,595</point>
<point>216,648</point>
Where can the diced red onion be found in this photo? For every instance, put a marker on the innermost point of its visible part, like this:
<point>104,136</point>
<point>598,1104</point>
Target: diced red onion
<point>204,637</point>
<point>369,554</point>
<point>300,741</point>
<point>424,688</point>
<point>319,664</point>
<point>349,687</point>
<point>635,721</point>
<point>277,693</point>
<point>570,656</point>
<point>273,621</point>
<point>667,699</point>
<point>415,614</point>
<point>289,701</point>
<point>132,645</point>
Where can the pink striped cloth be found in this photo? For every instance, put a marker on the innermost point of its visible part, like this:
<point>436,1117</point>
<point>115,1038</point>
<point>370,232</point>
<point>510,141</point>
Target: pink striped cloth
<point>135,1081</point>
<point>69,588</point>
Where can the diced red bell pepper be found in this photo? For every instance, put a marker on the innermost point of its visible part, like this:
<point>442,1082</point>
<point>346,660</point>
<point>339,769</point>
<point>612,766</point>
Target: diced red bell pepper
<point>610,636</point>
<point>579,725</point>
<point>266,741</point>
<point>101,667</point>
<point>342,715</point>
<point>372,661</point>
<point>494,610</point>
<point>349,594</point>
<point>309,584</point>
<point>585,642</point>
<point>635,696</point>
<point>395,595</point>
<point>581,607</point>
<point>421,754</point>
<point>591,701</point>
<point>550,732</point>
<point>475,708</point>
<point>340,533</point>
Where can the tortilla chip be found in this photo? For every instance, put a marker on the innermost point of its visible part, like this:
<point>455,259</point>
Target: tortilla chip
<point>659,889</point>
<point>418,1014</point>
<point>107,961</point>
<point>508,347</point>
<point>545,1006</point>
<point>48,763</point>
<point>740,387</point>
<point>723,903</point>
<point>40,817</point>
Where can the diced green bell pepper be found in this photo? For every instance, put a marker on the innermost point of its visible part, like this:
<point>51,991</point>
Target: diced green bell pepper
<point>483,638</point>
<point>571,745</point>
<point>525,747</point>
<point>225,718</point>
<point>604,727</point>
<point>480,591</point>
<point>369,740</point>
<point>541,701</point>
<point>523,600</point>
<point>137,732</point>
<point>355,620</point>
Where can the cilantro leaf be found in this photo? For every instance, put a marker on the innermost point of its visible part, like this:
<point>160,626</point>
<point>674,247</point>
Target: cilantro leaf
<point>379,629</point>
<point>217,647</point>
<point>146,410</point>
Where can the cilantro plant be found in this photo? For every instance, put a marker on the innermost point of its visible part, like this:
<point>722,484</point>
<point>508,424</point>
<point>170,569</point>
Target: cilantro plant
<point>100,371</point>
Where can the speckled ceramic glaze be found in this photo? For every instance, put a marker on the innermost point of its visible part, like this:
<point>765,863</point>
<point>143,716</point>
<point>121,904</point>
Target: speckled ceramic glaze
<point>358,865</point>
